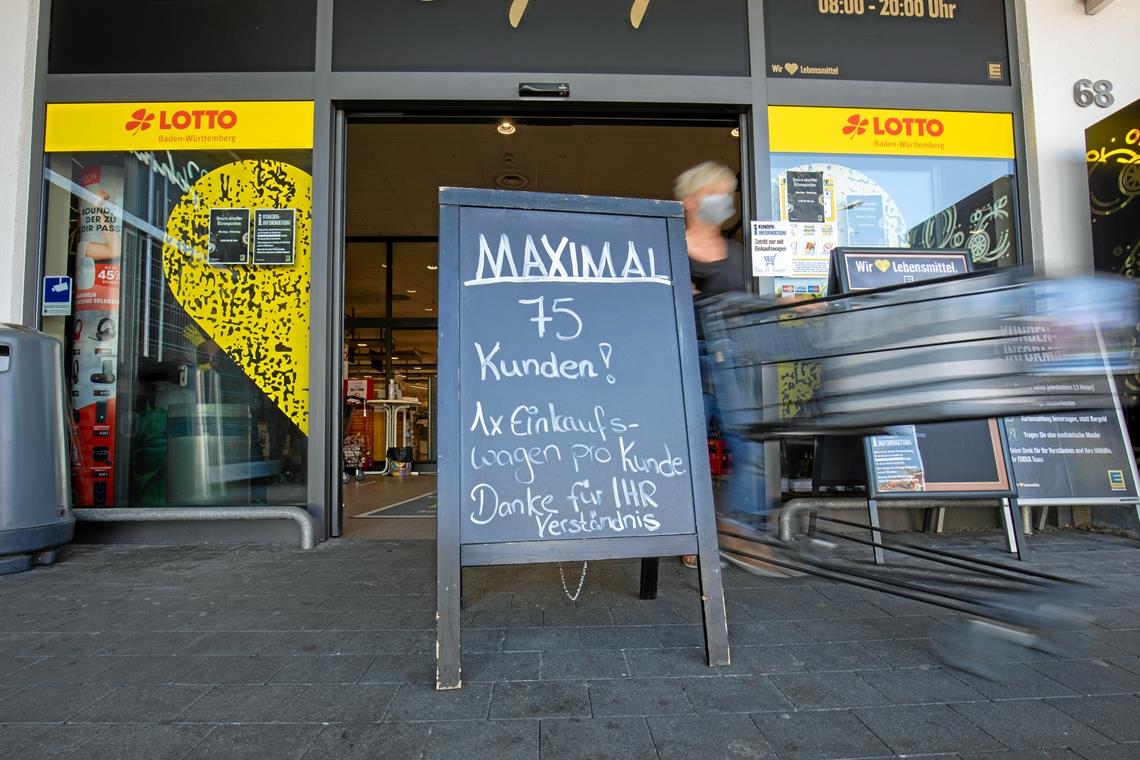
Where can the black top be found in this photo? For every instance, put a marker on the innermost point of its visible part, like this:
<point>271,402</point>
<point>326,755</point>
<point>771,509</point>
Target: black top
<point>724,276</point>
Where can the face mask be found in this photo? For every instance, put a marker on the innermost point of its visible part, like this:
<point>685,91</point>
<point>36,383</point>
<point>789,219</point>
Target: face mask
<point>716,209</point>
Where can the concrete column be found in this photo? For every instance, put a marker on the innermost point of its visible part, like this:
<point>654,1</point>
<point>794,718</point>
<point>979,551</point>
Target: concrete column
<point>19,21</point>
<point>1061,44</point>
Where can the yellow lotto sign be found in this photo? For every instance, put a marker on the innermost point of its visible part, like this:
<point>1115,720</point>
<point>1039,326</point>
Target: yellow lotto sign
<point>952,134</point>
<point>178,126</point>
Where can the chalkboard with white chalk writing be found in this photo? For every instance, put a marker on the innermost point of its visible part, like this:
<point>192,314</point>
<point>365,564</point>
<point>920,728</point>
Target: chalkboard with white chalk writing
<point>573,417</point>
<point>571,424</point>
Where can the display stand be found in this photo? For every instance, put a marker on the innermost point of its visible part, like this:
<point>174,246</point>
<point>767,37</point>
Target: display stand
<point>396,412</point>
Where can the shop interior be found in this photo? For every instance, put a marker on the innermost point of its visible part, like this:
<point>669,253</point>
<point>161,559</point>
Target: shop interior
<point>394,171</point>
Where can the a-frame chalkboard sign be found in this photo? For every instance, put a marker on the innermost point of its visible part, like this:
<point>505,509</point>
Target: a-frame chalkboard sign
<point>571,424</point>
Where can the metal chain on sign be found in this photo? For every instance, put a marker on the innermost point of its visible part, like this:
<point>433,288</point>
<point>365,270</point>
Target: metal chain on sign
<point>581,582</point>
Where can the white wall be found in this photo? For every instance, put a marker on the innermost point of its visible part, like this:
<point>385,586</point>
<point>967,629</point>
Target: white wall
<point>19,20</point>
<point>1064,45</point>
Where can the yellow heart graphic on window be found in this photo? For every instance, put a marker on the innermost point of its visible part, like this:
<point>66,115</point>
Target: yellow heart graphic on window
<point>791,68</point>
<point>258,315</point>
<point>882,265</point>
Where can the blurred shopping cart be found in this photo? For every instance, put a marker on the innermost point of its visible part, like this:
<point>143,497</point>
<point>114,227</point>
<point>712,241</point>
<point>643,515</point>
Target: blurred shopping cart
<point>995,344</point>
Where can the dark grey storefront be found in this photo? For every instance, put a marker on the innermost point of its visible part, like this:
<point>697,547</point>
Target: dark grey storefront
<point>415,59</point>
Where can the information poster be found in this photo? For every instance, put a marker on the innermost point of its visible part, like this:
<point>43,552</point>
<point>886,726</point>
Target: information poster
<point>897,461</point>
<point>771,249</point>
<point>95,328</point>
<point>229,236</point>
<point>865,220</point>
<point>274,236</point>
<point>805,196</point>
<point>787,249</point>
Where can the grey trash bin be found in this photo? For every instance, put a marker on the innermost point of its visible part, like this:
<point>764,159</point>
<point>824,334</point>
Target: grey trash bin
<point>35,485</point>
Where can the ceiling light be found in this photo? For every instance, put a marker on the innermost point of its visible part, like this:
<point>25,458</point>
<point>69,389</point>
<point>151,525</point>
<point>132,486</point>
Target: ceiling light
<point>512,180</point>
<point>735,132</point>
<point>432,267</point>
<point>365,345</point>
<point>417,367</point>
<point>506,128</point>
<point>427,309</point>
<point>411,291</point>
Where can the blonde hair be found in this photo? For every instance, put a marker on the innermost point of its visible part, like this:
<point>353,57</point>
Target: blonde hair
<point>702,175</point>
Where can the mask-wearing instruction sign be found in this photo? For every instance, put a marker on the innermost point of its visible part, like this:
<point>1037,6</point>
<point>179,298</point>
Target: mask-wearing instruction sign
<point>1070,455</point>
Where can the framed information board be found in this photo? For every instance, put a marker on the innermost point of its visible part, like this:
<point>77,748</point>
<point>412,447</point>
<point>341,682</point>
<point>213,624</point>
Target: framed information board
<point>964,459</point>
<point>1075,457</point>
<point>570,411</point>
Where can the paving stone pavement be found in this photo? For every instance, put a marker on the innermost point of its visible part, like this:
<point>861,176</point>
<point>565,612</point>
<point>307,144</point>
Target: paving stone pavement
<point>259,651</point>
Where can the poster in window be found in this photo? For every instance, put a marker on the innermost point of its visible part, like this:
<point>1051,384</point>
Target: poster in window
<point>229,236</point>
<point>805,197</point>
<point>274,236</point>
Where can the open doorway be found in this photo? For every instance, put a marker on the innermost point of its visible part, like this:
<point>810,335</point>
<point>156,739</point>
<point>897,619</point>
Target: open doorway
<point>394,170</point>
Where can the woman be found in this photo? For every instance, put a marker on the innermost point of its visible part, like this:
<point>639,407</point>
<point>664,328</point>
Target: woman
<point>716,266</point>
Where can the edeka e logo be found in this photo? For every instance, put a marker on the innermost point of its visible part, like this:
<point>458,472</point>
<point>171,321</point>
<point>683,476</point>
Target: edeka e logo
<point>636,12</point>
<point>856,125</point>
<point>894,126</point>
<point>139,121</point>
<point>181,120</point>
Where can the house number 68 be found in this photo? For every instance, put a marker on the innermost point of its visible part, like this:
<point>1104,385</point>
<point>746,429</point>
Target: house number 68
<point>1086,92</point>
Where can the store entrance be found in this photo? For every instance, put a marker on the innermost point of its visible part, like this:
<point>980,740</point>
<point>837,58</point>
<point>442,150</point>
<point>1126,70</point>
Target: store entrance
<point>394,169</point>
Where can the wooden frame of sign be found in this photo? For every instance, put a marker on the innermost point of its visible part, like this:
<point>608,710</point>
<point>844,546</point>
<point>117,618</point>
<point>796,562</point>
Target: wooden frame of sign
<point>856,269</point>
<point>571,418</point>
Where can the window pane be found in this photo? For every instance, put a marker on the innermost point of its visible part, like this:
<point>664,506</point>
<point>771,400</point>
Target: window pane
<point>899,201</point>
<point>416,280</point>
<point>188,345</point>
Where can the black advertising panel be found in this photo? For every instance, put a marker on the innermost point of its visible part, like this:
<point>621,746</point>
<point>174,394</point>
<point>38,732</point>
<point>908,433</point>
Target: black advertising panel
<point>929,41</point>
<point>148,36</point>
<point>274,236</point>
<point>707,38</point>
<point>229,236</point>
<point>869,268</point>
<point>1072,457</point>
<point>984,223</point>
<point>571,417</point>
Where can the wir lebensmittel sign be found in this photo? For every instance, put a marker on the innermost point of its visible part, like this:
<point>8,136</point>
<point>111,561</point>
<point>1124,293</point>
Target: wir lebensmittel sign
<point>868,268</point>
<point>570,418</point>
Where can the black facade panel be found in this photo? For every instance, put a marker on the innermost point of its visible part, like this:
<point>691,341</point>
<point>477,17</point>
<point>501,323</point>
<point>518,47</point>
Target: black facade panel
<point>180,36</point>
<point>709,37</point>
<point>926,41</point>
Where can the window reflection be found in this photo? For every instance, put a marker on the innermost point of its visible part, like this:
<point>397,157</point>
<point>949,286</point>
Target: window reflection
<point>900,201</point>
